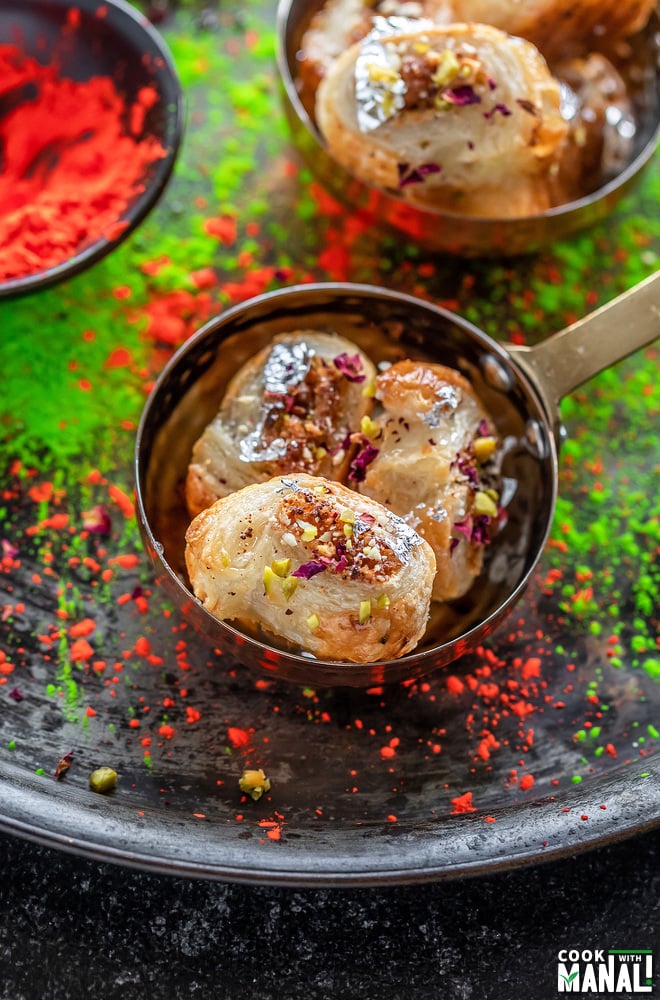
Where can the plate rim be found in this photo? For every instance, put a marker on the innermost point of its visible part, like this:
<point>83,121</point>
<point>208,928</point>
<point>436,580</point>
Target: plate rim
<point>423,850</point>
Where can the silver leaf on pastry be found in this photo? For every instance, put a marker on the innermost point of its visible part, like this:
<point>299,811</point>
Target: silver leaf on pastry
<point>379,88</point>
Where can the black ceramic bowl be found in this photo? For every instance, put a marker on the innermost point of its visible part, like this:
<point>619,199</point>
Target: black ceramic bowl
<point>443,231</point>
<point>87,39</point>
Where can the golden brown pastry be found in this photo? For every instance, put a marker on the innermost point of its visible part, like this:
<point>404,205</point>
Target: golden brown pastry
<point>315,564</point>
<point>340,23</point>
<point>560,27</point>
<point>464,117</point>
<point>290,408</point>
<point>434,464</point>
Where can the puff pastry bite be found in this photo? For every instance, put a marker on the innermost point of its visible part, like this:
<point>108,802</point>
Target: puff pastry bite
<point>291,408</point>
<point>464,117</point>
<point>560,27</point>
<point>318,566</point>
<point>435,464</point>
<point>340,23</point>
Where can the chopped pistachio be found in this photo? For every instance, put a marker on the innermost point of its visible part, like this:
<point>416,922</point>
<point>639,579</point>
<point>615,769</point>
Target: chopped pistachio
<point>383,602</point>
<point>269,578</point>
<point>309,533</point>
<point>254,783</point>
<point>313,622</point>
<point>347,516</point>
<point>369,426</point>
<point>365,612</point>
<point>484,504</point>
<point>447,69</point>
<point>289,584</point>
<point>281,567</point>
<point>388,104</point>
<point>484,448</point>
<point>369,388</point>
<point>382,74</point>
<point>103,780</point>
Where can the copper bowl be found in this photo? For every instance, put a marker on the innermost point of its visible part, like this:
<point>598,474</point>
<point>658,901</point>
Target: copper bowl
<point>88,39</point>
<point>520,387</point>
<point>442,231</point>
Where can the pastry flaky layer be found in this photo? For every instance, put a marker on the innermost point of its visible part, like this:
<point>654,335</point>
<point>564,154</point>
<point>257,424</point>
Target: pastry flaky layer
<point>559,28</point>
<point>315,564</point>
<point>334,500</point>
<point>436,466</point>
<point>465,116</point>
<point>338,24</point>
<point>290,408</point>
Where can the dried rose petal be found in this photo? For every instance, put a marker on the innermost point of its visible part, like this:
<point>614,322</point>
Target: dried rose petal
<point>9,550</point>
<point>415,175</point>
<point>350,365</point>
<point>474,529</point>
<point>309,569</point>
<point>466,466</point>
<point>480,530</point>
<point>97,520</point>
<point>501,109</point>
<point>16,694</point>
<point>464,527</point>
<point>358,467</point>
<point>461,96</point>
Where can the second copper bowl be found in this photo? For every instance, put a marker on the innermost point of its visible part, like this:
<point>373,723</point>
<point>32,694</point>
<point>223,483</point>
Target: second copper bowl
<point>437,229</point>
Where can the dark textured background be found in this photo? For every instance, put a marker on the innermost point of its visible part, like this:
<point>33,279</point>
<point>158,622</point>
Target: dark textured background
<point>73,929</point>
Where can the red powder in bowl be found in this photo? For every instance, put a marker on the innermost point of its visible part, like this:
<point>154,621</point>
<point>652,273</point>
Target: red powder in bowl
<point>71,162</point>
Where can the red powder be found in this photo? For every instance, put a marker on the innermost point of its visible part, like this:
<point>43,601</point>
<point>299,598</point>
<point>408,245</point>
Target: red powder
<point>81,650</point>
<point>82,628</point>
<point>273,829</point>
<point>69,168</point>
<point>238,737</point>
<point>463,804</point>
<point>223,228</point>
<point>142,646</point>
